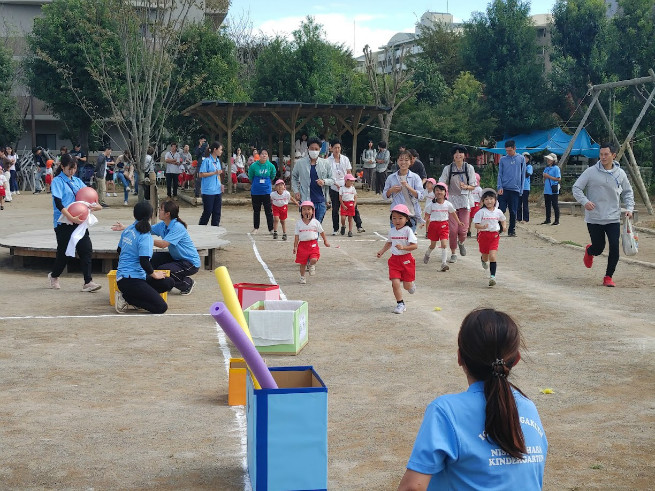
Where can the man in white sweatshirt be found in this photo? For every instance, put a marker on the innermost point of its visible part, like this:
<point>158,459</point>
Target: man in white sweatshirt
<point>600,190</point>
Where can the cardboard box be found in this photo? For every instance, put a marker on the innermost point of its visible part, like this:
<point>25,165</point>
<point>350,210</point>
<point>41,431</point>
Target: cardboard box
<point>236,392</point>
<point>287,431</point>
<point>111,278</point>
<point>278,327</point>
<point>250,293</point>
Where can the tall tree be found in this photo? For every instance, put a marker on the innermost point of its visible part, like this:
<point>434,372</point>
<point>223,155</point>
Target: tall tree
<point>10,127</point>
<point>500,48</point>
<point>441,45</point>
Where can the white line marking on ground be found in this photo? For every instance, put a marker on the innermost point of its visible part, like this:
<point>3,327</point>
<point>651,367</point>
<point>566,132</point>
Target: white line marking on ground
<point>26,317</point>
<point>268,271</point>
<point>380,235</point>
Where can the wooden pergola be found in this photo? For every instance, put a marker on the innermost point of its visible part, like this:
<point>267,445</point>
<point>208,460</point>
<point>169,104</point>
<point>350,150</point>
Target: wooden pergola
<point>282,117</point>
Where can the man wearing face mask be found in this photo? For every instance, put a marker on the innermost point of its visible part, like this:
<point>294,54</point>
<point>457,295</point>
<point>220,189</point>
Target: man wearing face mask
<point>312,177</point>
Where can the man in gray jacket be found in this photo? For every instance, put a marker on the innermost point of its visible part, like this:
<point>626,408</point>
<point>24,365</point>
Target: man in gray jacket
<point>311,178</point>
<point>600,190</point>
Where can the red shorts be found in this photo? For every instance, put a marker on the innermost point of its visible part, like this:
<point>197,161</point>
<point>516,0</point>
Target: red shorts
<point>48,179</point>
<point>438,231</point>
<point>2,192</point>
<point>281,211</point>
<point>307,249</point>
<point>474,210</point>
<point>488,241</point>
<point>403,267</point>
<point>234,178</point>
<point>349,210</point>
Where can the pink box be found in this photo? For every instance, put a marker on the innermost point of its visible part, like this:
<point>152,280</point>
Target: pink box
<point>251,293</point>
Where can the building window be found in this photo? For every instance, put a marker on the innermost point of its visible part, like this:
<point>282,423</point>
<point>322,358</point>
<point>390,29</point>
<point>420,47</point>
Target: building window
<point>47,141</point>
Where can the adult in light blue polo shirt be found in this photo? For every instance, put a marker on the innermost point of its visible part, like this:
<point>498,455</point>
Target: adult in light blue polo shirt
<point>182,258</point>
<point>457,447</point>
<point>211,188</point>
<point>523,211</point>
<point>552,179</point>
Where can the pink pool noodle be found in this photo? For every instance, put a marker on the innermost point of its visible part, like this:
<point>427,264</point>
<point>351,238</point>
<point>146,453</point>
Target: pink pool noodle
<point>253,359</point>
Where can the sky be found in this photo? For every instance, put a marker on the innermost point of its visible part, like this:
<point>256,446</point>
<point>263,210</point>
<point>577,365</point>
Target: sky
<point>358,22</point>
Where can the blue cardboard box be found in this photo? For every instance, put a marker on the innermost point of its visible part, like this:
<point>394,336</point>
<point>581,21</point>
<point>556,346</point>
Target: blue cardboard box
<point>287,431</point>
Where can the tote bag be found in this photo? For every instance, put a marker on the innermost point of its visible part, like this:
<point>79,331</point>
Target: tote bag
<point>629,238</point>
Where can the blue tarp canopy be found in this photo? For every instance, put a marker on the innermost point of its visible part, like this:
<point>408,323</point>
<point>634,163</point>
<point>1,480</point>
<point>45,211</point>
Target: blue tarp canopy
<point>553,140</point>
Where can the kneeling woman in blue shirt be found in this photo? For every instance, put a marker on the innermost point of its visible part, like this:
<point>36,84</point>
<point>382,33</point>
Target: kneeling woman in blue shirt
<point>489,437</point>
<point>137,280</point>
<point>182,258</point>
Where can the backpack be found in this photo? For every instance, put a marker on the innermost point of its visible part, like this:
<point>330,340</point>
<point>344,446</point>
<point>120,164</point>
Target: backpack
<point>464,171</point>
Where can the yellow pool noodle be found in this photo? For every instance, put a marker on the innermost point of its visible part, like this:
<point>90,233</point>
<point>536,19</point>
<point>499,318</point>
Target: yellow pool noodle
<point>231,301</point>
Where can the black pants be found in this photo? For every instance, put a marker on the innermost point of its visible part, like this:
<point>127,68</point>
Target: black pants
<point>211,207</point>
<point>369,175</point>
<point>144,294</point>
<point>257,201</point>
<point>380,178</point>
<point>84,249</point>
<point>597,234</point>
<point>523,211</point>
<point>181,269</point>
<point>551,199</point>
<point>336,220</point>
<point>509,199</point>
<point>171,181</point>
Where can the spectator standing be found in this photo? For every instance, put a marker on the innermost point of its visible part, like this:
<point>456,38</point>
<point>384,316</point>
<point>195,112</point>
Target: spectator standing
<point>39,160</point>
<point>212,190</point>
<point>552,178</point>
<point>382,160</point>
<point>173,161</point>
<point>100,174</point>
<point>341,166</point>
<point>368,164</point>
<point>417,166</point>
<point>311,177</point>
<point>262,174</point>
<point>240,161</point>
<point>13,180</point>
<point>523,211</point>
<point>511,172</point>
<point>301,145</point>
<point>199,154</point>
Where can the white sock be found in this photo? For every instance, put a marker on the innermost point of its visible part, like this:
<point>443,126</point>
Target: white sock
<point>444,256</point>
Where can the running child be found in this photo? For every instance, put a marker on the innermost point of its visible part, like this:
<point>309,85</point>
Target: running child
<point>279,202</point>
<point>402,267</point>
<point>347,202</point>
<point>436,214</point>
<point>305,245</point>
<point>475,198</point>
<point>430,183</point>
<point>489,223</point>
<point>49,174</point>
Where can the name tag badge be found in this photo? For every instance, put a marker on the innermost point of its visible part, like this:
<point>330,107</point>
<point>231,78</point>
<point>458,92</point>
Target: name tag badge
<point>406,262</point>
<point>313,245</point>
<point>262,181</point>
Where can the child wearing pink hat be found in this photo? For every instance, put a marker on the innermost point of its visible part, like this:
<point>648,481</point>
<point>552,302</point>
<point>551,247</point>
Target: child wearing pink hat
<point>436,214</point>
<point>402,267</point>
<point>430,183</point>
<point>305,245</point>
<point>475,199</point>
<point>347,202</point>
<point>280,201</point>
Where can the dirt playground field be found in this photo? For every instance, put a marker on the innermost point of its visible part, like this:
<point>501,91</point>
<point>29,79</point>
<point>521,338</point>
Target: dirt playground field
<point>90,399</point>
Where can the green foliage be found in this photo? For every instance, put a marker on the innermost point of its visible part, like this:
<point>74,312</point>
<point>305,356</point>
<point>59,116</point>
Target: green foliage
<point>500,47</point>
<point>426,74</point>
<point>441,46</point>
<point>10,126</point>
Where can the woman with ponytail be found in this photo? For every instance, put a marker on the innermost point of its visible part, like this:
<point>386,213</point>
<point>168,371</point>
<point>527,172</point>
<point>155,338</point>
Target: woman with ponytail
<point>489,437</point>
<point>139,285</point>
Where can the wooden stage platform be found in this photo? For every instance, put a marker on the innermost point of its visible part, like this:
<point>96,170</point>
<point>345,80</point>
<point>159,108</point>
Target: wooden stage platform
<point>42,243</point>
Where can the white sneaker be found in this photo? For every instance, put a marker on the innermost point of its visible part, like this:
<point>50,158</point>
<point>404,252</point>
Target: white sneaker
<point>91,287</point>
<point>124,203</point>
<point>119,303</point>
<point>335,232</point>
<point>54,282</point>
<point>412,289</point>
<point>303,280</point>
<point>492,280</point>
<point>115,195</point>
<point>312,269</point>
<point>462,249</point>
<point>453,259</point>
<point>484,265</point>
<point>444,267</point>
<point>426,258</point>
<point>17,192</point>
<point>127,189</point>
<point>255,231</point>
<point>400,308</point>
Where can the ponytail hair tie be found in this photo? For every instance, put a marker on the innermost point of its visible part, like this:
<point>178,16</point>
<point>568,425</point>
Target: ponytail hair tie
<point>498,368</point>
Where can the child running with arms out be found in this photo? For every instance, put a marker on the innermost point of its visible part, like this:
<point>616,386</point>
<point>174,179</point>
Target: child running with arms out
<point>280,203</point>
<point>305,245</point>
<point>473,439</point>
<point>489,224</point>
<point>430,183</point>
<point>402,267</point>
<point>436,215</point>
<point>347,202</point>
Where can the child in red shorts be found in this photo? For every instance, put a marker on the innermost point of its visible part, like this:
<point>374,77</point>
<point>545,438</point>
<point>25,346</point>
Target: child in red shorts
<point>475,198</point>
<point>280,204</point>
<point>305,245</point>
<point>436,214</point>
<point>489,223</point>
<point>402,268</point>
<point>348,201</point>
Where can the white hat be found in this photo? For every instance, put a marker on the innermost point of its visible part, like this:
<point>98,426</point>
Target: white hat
<point>551,156</point>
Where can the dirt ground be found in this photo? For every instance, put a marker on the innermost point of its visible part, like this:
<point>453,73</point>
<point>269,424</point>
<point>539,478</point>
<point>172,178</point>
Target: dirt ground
<point>93,399</point>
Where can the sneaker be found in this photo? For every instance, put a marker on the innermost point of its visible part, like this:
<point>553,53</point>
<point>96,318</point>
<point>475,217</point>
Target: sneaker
<point>91,287</point>
<point>270,232</point>
<point>284,236</point>
<point>303,280</point>
<point>335,232</point>
<point>120,304</point>
<point>115,195</point>
<point>588,259</point>
<point>462,249</point>
<point>607,281</point>
<point>275,235</point>
<point>360,230</point>
<point>492,280</point>
<point>511,234</point>
<point>18,192</point>
<point>412,289</point>
<point>400,308</point>
<point>350,234</point>
<point>312,269</point>
<point>545,222</point>
<point>255,231</point>
<point>54,282</point>
<point>484,265</point>
<point>555,223</point>
<point>426,258</point>
<point>343,230</point>
<point>468,234</point>
<point>188,292</point>
<point>444,267</point>
<point>124,203</point>
<point>453,259</point>
<point>127,189</point>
